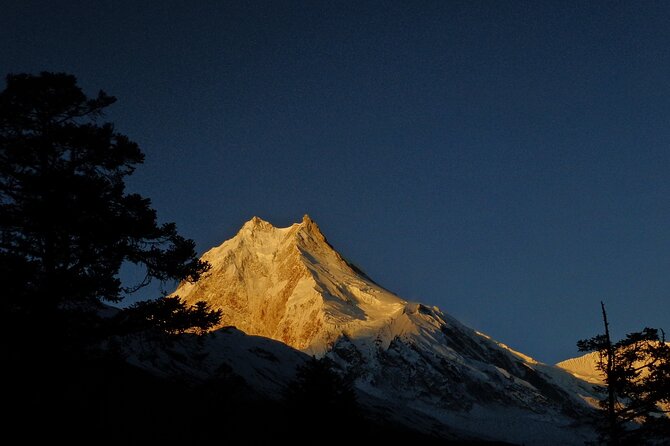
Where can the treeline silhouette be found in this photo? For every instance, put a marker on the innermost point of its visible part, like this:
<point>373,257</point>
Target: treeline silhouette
<point>635,397</point>
<point>107,401</point>
<point>67,225</point>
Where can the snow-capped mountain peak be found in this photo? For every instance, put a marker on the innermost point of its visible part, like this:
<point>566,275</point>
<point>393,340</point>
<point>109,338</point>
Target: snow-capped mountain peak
<point>291,285</point>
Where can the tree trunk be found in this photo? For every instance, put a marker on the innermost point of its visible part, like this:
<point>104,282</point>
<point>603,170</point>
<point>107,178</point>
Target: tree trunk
<point>611,385</point>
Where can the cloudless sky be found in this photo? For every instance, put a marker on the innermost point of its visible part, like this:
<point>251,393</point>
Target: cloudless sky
<point>508,162</point>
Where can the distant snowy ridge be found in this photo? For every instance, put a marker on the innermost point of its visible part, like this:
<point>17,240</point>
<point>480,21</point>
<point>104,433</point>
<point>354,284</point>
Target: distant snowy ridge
<point>583,367</point>
<point>426,368</point>
<point>586,367</point>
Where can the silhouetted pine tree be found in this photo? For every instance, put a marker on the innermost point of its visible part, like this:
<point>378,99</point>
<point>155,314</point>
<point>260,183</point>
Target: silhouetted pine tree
<point>66,222</point>
<point>170,315</point>
<point>636,395</point>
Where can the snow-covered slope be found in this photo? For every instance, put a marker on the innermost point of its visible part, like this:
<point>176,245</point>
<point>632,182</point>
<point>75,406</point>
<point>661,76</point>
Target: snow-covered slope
<point>417,362</point>
<point>256,364</point>
<point>583,367</point>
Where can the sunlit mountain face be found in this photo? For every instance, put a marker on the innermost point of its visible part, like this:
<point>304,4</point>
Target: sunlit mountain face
<point>417,363</point>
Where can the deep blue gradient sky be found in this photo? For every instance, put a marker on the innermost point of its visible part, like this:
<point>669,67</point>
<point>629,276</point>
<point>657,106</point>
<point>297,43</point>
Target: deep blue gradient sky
<point>506,161</point>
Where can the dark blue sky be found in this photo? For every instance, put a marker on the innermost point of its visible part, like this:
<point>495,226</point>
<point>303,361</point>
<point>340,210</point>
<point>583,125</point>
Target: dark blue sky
<point>506,161</point>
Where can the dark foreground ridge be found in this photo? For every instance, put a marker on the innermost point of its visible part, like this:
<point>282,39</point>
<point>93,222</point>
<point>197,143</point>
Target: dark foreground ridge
<point>107,400</point>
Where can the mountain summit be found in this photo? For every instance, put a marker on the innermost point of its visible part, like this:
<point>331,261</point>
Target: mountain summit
<point>289,284</point>
<point>411,363</point>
